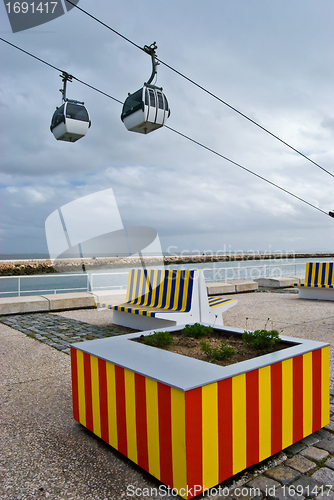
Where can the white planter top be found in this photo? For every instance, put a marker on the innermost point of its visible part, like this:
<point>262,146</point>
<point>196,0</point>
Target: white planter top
<point>183,372</point>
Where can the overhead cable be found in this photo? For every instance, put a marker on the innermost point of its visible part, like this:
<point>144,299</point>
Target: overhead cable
<point>245,168</point>
<point>31,55</point>
<point>177,132</point>
<point>205,90</point>
<point>60,70</point>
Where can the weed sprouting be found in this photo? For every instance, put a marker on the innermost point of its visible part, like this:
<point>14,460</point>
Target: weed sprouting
<point>159,339</point>
<point>261,339</point>
<point>215,354</point>
<point>197,330</point>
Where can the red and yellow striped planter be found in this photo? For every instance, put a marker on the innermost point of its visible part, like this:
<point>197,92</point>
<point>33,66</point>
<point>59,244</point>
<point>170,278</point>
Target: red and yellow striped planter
<point>190,425</point>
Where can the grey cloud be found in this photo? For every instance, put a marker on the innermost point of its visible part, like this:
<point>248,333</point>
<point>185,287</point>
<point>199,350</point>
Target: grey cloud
<point>257,55</point>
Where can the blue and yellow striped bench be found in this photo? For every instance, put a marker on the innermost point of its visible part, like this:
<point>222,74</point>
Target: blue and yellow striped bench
<point>319,281</point>
<point>158,298</point>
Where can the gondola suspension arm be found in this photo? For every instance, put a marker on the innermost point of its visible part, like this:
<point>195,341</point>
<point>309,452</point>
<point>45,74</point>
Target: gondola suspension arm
<point>65,78</point>
<point>150,49</point>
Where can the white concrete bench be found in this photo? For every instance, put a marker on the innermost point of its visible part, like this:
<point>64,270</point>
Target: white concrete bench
<point>319,281</point>
<point>158,298</point>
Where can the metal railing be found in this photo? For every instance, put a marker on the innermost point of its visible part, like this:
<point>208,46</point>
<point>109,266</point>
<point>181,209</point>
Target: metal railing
<point>19,290</point>
<point>118,280</point>
<point>16,284</point>
<point>108,287</point>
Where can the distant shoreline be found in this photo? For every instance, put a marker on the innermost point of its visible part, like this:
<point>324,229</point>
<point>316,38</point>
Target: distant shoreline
<point>44,266</point>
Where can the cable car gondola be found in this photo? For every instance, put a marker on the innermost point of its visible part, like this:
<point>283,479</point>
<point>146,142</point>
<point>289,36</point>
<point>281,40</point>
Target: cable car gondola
<point>70,121</point>
<point>147,109</point>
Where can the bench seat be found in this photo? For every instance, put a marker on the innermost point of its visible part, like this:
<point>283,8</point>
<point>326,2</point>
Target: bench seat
<point>151,311</point>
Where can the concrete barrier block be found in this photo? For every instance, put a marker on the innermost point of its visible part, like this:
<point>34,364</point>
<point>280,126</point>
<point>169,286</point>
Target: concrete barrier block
<point>283,282</point>
<point>17,305</point>
<point>114,297</point>
<point>70,300</point>
<point>220,288</point>
<point>245,286</point>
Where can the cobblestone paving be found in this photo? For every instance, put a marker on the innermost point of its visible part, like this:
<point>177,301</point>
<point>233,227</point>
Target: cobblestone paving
<point>305,470</point>
<point>57,331</point>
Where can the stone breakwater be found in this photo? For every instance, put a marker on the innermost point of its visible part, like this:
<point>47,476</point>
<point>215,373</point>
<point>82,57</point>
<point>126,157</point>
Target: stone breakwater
<point>38,266</point>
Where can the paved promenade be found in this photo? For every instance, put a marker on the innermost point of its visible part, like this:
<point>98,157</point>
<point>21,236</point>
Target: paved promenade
<point>46,454</point>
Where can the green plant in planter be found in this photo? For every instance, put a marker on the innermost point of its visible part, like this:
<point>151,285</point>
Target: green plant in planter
<point>215,354</point>
<point>261,339</point>
<point>197,330</point>
<point>159,339</point>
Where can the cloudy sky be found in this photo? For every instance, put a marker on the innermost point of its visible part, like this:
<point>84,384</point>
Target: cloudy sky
<point>273,60</point>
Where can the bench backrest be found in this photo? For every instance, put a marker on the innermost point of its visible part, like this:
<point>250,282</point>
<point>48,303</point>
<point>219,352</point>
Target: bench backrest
<point>163,289</point>
<point>319,274</point>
